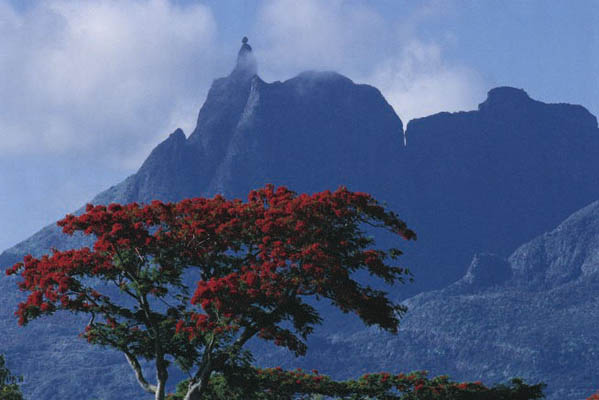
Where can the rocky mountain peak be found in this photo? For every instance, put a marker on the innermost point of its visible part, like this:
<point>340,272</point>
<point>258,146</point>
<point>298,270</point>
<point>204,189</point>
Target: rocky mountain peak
<point>505,98</point>
<point>178,134</point>
<point>246,61</point>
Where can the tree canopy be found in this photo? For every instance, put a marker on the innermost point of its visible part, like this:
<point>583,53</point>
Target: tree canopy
<point>191,282</point>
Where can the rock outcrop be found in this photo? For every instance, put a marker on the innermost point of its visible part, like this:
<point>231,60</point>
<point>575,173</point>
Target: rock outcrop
<point>492,179</point>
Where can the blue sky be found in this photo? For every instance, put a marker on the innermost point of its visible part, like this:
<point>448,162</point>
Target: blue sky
<point>88,88</point>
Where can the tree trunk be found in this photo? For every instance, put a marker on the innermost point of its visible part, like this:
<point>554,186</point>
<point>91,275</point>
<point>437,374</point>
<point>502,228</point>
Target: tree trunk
<point>198,385</point>
<point>139,373</point>
<point>161,378</point>
<point>195,391</point>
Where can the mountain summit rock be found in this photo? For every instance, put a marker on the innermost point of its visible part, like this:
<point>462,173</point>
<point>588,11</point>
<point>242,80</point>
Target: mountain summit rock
<point>246,62</point>
<point>505,99</point>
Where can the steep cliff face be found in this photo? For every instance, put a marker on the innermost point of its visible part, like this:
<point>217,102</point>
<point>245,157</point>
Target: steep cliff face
<point>491,179</point>
<point>316,131</point>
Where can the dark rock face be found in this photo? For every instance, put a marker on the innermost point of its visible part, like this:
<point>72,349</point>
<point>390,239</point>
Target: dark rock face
<point>480,182</point>
<point>489,180</point>
<point>279,137</point>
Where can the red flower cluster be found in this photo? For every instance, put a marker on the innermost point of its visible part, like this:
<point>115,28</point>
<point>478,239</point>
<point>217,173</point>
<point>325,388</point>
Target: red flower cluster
<point>49,279</point>
<point>294,246</point>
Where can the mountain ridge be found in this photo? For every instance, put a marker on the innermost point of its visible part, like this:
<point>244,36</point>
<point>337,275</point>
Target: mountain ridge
<point>184,172</point>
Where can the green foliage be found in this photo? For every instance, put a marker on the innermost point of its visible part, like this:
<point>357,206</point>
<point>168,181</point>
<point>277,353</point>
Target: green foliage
<point>277,384</point>
<point>9,384</point>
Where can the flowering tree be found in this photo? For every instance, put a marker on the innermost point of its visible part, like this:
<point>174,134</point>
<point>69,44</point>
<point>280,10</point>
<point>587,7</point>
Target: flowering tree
<point>251,266</point>
<point>278,384</point>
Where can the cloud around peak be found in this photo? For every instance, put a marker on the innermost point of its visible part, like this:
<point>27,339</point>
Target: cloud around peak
<point>386,51</point>
<point>418,82</point>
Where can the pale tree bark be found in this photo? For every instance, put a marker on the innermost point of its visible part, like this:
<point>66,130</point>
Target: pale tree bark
<point>159,390</point>
<point>198,384</point>
<point>139,374</point>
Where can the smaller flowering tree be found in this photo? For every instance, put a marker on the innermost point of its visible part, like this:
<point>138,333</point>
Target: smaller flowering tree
<point>191,282</point>
<point>278,384</point>
<point>9,384</point>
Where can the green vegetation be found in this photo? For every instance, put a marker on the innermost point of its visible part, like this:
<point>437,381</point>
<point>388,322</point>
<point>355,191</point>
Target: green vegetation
<point>9,384</point>
<point>277,384</point>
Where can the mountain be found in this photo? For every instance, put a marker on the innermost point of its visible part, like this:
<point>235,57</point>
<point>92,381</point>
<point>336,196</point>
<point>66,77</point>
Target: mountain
<point>313,132</point>
<point>532,315</point>
<point>482,181</point>
<point>467,182</point>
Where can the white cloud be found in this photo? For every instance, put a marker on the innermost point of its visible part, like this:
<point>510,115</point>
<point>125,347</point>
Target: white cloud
<point>384,51</point>
<point>101,77</point>
<point>418,82</point>
<point>312,34</point>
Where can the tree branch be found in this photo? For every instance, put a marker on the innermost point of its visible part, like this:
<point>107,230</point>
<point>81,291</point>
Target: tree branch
<point>139,373</point>
<point>198,383</point>
<point>247,334</point>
